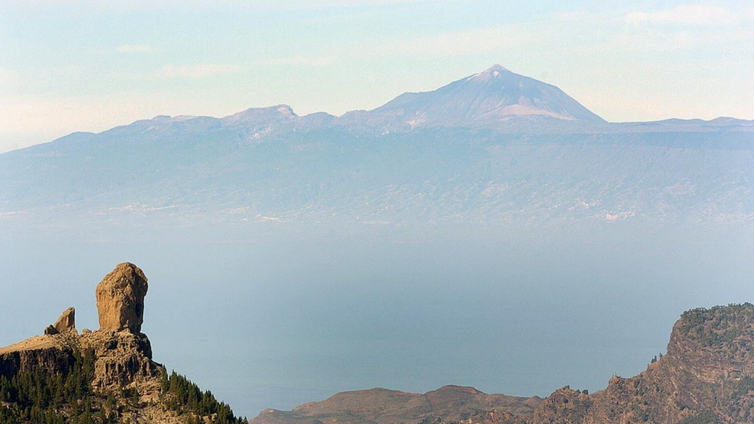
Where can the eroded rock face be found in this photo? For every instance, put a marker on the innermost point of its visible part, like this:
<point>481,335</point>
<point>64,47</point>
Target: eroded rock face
<point>123,358</point>
<point>41,353</point>
<point>120,299</point>
<point>67,321</point>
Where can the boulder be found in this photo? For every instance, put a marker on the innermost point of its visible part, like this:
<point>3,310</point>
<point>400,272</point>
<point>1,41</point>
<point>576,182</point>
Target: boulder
<point>67,321</point>
<point>120,299</point>
<point>51,330</point>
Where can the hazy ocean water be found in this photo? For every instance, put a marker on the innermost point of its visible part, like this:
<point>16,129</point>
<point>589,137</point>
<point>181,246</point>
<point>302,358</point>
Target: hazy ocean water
<point>279,321</point>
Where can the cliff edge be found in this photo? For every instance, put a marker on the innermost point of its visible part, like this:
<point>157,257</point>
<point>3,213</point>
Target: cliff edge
<point>707,377</point>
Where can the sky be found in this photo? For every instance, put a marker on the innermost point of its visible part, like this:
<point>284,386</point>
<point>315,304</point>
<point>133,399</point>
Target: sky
<point>91,65</point>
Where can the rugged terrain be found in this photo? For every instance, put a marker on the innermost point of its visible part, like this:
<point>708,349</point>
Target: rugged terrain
<point>706,377</point>
<point>100,376</point>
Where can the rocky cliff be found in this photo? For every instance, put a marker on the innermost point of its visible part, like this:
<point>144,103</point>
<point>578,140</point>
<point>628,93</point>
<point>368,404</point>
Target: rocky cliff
<point>706,377</point>
<point>100,376</point>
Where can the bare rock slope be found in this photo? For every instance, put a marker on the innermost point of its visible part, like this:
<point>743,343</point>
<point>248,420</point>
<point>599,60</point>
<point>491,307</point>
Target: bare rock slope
<point>67,321</point>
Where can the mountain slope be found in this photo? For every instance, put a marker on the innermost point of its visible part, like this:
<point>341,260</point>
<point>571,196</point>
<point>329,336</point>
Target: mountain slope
<point>706,377</point>
<point>489,99</point>
<point>222,175</point>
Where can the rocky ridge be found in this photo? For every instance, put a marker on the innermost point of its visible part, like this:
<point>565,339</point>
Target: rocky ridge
<point>706,377</point>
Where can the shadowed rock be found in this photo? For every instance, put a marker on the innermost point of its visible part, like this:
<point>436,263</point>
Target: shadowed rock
<point>120,299</point>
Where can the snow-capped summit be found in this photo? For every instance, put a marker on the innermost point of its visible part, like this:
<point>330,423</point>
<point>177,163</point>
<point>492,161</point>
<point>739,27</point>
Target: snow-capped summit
<point>493,71</point>
<point>493,98</point>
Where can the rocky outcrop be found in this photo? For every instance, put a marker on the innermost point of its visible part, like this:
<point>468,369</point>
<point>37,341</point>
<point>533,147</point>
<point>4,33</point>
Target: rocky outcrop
<point>120,299</point>
<point>67,321</point>
<point>122,359</point>
<point>108,373</point>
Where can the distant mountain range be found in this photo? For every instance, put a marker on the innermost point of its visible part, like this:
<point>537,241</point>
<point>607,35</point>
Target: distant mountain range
<point>448,404</point>
<point>495,98</point>
<point>492,148</point>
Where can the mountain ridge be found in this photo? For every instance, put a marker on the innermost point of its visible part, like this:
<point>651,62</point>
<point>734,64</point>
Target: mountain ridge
<point>495,99</point>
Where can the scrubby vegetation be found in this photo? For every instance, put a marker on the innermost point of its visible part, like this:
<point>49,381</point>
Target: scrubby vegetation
<point>719,325</point>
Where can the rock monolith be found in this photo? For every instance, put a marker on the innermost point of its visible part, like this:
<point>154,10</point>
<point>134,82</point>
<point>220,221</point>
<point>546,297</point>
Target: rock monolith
<point>120,299</point>
<point>67,321</point>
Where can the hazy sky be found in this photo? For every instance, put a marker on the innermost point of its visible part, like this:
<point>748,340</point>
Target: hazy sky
<point>91,65</point>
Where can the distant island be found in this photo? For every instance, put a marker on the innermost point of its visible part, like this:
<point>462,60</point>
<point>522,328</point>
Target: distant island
<point>495,149</point>
<point>108,376</point>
